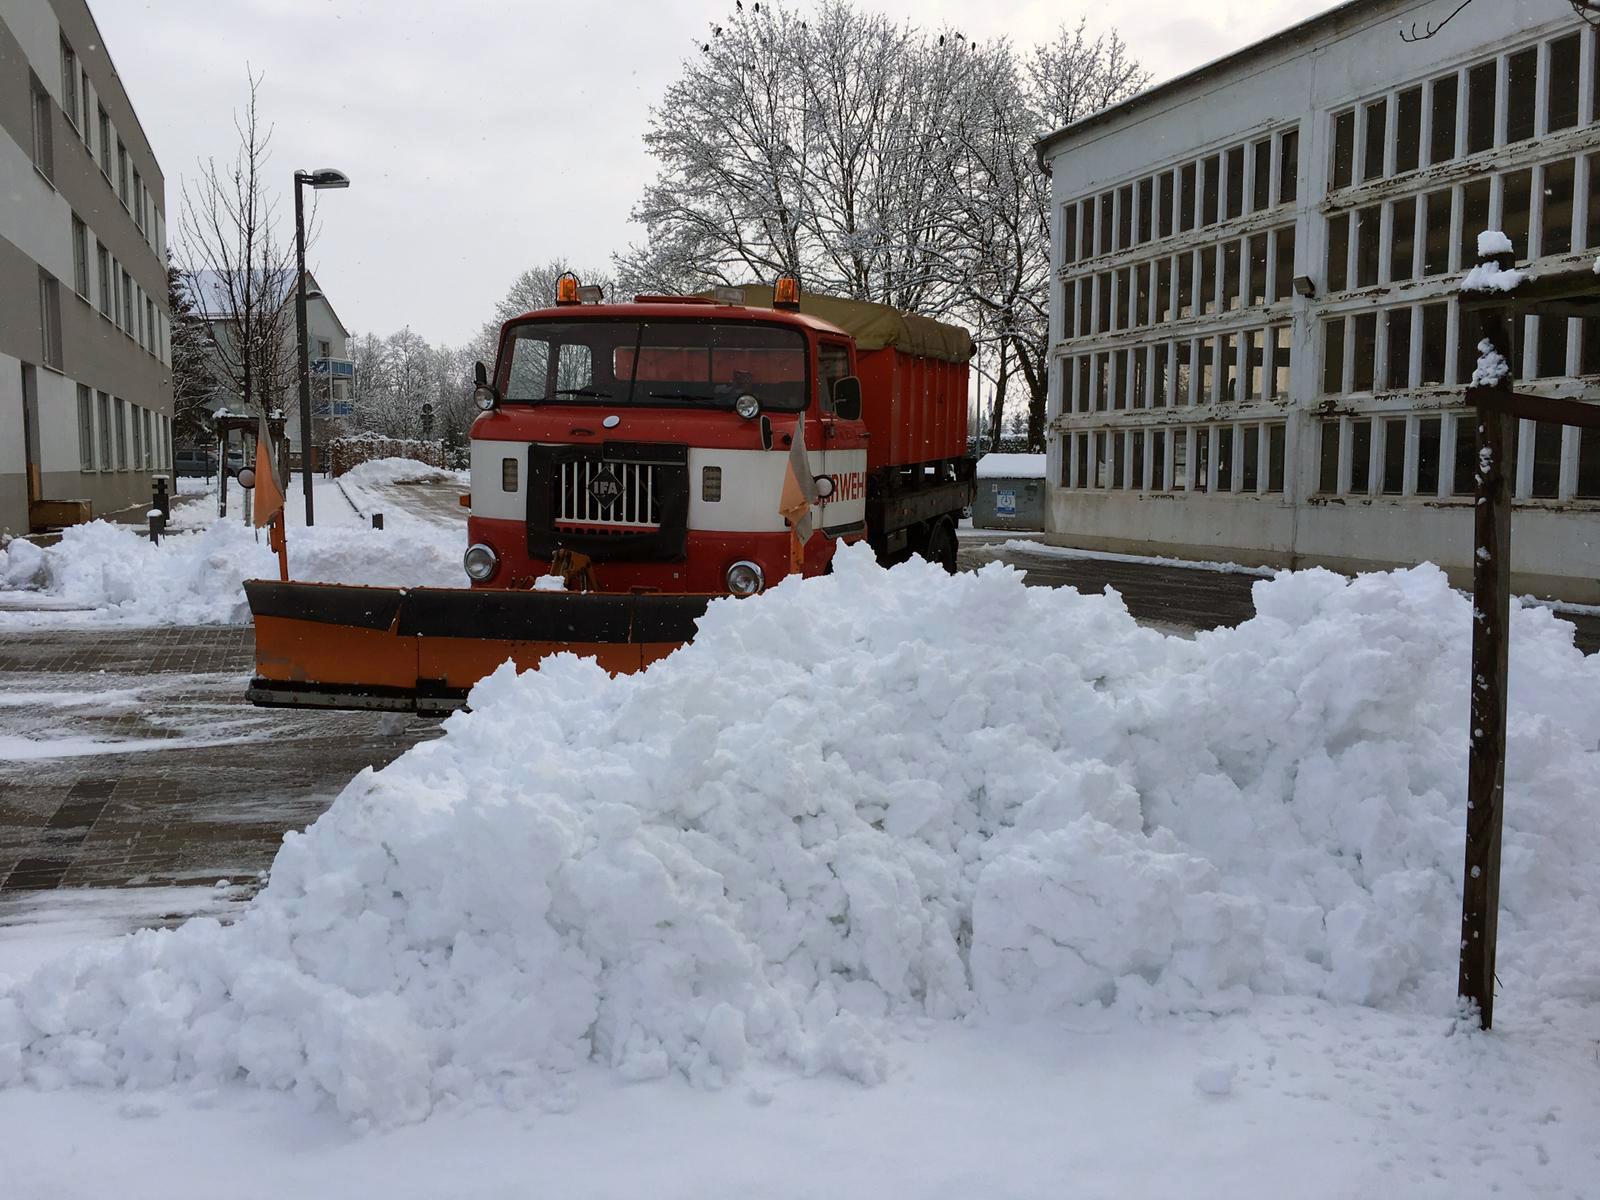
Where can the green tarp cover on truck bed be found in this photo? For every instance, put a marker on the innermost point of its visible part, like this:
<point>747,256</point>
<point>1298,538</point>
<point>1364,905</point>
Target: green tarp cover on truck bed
<point>875,326</point>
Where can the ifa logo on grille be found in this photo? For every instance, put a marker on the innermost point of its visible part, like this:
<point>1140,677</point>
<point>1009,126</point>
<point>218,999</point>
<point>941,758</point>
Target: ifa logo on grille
<point>605,488</point>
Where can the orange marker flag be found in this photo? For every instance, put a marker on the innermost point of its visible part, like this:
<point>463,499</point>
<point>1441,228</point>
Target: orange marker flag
<point>799,496</point>
<point>267,501</point>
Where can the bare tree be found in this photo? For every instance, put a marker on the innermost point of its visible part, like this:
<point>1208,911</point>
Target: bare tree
<point>1589,10</point>
<point>876,161</point>
<point>1001,237</point>
<point>536,288</point>
<point>235,268</point>
<point>814,147</point>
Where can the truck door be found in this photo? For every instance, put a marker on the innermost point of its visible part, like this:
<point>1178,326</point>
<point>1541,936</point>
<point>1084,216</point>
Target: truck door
<point>844,448</point>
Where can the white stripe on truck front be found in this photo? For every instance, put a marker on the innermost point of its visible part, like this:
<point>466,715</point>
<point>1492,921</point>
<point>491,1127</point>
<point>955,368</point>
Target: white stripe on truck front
<point>847,507</point>
<point>752,481</point>
<point>490,497</point>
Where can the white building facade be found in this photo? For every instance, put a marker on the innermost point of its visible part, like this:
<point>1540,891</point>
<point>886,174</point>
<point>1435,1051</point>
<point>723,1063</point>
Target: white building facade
<point>1257,352</point>
<point>85,338</point>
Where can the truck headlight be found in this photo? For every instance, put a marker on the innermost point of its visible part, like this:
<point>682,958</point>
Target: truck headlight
<point>479,561</point>
<point>747,406</point>
<point>745,578</point>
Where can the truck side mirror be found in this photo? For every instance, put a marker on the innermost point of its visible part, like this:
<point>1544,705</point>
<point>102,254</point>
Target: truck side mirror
<point>483,395</point>
<point>847,398</point>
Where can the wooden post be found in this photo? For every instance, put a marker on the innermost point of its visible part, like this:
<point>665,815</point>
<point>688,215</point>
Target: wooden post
<point>1491,612</point>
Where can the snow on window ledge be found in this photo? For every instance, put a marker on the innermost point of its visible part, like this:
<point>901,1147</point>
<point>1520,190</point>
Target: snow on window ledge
<point>1491,277</point>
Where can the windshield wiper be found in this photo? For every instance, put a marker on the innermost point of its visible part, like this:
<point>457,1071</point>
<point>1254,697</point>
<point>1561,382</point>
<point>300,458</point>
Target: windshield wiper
<point>584,391</point>
<point>695,397</point>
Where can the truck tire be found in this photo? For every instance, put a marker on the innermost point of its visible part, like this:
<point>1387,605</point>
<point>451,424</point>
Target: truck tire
<point>941,546</point>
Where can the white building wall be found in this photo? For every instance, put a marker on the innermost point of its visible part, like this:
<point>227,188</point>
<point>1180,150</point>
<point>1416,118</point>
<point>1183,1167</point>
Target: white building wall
<point>13,460</point>
<point>1557,543</point>
<point>34,217</point>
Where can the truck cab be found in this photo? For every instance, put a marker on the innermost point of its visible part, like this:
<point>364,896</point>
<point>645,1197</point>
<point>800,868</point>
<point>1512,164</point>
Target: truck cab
<point>651,440</point>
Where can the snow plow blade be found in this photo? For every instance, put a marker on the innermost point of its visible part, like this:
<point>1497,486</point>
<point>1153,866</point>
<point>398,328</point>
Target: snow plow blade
<point>322,645</point>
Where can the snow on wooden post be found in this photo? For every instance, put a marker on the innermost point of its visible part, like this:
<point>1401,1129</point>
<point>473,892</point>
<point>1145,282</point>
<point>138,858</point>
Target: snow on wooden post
<point>1492,399</point>
<point>1491,613</point>
<point>1501,297</point>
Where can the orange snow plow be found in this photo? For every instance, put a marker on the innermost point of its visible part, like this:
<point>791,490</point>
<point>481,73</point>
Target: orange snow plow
<point>420,650</point>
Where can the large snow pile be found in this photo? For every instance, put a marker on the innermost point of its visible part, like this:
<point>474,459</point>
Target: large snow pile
<point>196,577</point>
<point>862,800</point>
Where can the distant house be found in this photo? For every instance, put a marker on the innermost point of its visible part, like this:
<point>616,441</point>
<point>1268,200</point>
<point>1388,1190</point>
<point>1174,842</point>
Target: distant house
<point>332,370</point>
<point>1257,350</point>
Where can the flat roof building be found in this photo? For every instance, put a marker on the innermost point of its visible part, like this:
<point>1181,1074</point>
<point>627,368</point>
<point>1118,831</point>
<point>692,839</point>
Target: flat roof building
<point>1257,350</point>
<point>85,378</point>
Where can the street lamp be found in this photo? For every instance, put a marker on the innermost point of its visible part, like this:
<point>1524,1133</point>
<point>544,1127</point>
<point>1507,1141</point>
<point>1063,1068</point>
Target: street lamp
<point>322,177</point>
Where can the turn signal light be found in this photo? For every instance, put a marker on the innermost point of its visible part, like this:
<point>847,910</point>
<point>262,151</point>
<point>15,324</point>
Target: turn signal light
<point>786,292</point>
<point>567,289</point>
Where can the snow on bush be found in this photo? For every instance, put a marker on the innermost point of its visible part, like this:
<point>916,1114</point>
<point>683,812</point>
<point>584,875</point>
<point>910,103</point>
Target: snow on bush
<point>197,577</point>
<point>861,800</point>
<point>376,471</point>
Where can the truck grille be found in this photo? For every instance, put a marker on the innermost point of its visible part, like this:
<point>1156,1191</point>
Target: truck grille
<point>607,497</point>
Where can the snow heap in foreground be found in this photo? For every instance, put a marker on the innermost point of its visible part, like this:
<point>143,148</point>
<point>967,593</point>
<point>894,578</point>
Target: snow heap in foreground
<point>196,578</point>
<point>862,800</point>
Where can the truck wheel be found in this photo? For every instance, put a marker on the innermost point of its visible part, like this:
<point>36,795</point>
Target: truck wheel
<point>942,545</point>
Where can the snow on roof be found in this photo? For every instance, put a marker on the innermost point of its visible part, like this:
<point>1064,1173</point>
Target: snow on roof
<point>209,291</point>
<point>1011,466</point>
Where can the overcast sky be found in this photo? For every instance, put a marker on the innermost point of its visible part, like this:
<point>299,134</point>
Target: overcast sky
<point>482,137</point>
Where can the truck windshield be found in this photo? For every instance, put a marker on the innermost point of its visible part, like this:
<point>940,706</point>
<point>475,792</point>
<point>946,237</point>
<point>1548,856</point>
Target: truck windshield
<point>655,364</point>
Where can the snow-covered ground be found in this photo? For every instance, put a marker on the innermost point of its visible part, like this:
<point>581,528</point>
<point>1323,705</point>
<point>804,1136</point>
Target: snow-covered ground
<point>1029,546</point>
<point>891,883</point>
<point>105,572</point>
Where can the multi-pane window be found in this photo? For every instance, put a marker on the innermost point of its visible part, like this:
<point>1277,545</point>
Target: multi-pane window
<point>69,83</point>
<point>120,417</point>
<point>134,413</point>
<point>1384,137</point>
<point>50,319</point>
<point>85,428</point>
<point>43,135</point>
<point>1225,185</point>
<point>1245,458</point>
<point>105,143</point>
<point>107,290</point>
<point>80,257</point>
<point>149,441</point>
<point>104,425</point>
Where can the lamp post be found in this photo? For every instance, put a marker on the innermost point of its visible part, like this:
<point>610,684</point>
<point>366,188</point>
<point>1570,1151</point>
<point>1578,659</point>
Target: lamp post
<point>322,177</point>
